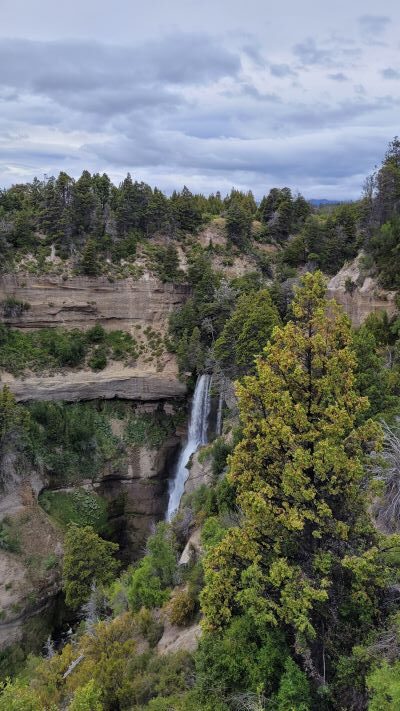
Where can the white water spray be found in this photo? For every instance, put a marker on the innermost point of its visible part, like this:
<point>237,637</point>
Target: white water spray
<point>197,435</point>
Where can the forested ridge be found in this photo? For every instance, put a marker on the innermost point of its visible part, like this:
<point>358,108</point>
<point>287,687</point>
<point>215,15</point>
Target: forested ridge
<point>296,581</point>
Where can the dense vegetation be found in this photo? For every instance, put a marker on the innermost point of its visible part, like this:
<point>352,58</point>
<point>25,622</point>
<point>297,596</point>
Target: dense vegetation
<point>73,442</point>
<point>298,599</point>
<point>55,348</point>
<point>296,586</point>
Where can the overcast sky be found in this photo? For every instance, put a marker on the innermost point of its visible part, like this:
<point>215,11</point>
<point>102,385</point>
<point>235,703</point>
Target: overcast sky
<point>211,94</point>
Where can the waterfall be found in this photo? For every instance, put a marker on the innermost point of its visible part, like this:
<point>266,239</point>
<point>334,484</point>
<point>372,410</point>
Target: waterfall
<point>49,649</point>
<point>197,435</point>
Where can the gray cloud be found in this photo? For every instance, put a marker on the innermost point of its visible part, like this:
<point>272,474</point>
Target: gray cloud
<point>390,73</point>
<point>252,106</point>
<point>282,70</point>
<point>49,67</point>
<point>309,53</point>
<point>374,25</point>
<point>338,76</point>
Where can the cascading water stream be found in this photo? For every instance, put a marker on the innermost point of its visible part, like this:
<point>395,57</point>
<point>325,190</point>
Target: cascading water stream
<point>197,435</point>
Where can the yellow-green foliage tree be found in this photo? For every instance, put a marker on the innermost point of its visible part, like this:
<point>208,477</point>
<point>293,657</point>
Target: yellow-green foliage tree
<point>305,556</point>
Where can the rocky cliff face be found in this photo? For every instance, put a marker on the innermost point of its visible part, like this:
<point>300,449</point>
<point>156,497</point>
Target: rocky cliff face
<point>136,489</point>
<point>30,570</point>
<point>138,492</point>
<point>80,302</point>
<point>360,295</point>
<point>115,381</point>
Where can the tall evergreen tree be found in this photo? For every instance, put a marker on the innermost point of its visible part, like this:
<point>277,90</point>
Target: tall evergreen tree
<point>305,556</point>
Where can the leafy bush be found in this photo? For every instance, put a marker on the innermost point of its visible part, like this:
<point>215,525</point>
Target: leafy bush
<point>18,696</point>
<point>73,440</point>
<point>144,588</point>
<point>13,308</point>
<point>149,583</point>
<point>294,689</point>
<point>182,608</point>
<point>243,657</point>
<point>149,626</point>
<point>384,686</point>
<point>212,532</point>
<point>98,359</point>
<point>246,332</point>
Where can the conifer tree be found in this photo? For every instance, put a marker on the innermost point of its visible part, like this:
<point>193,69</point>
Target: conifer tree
<point>89,263</point>
<point>305,557</point>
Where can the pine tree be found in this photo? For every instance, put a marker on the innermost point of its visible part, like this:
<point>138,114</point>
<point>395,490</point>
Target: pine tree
<point>83,204</point>
<point>238,224</point>
<point>89,263</point>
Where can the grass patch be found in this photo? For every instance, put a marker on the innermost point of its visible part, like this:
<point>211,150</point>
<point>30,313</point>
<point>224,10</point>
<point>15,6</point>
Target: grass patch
<point>82,507</point>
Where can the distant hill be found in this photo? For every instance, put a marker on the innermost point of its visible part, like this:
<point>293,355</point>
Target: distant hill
<point>318,202</point>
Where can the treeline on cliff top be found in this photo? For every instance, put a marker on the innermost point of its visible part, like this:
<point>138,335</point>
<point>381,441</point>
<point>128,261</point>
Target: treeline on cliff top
<point>92,217</point>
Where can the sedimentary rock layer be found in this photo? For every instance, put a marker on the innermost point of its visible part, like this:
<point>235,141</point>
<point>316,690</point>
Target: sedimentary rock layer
<point>79,302</point>
<point>112,382</point>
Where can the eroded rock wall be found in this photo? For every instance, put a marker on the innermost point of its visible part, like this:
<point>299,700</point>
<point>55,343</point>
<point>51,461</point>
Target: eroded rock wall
<point>359,295</point>
<point>80,302</point>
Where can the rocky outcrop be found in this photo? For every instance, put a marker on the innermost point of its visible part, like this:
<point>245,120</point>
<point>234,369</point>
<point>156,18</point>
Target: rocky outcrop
<point>360,295</point>
<point>199,471</point>
<point>115,381</point>
<point>192,549</point>
<point>177,639</point>
<point>29,577</point>
<point>141,486</point>
<point>80,302</point>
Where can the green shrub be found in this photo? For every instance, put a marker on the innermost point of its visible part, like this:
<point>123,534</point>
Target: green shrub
<point>294,689</point>
<point>220,452</point>
<point>182,608</point>
<point>96,334</point>
<point>149,627</point>
<point>9,540</point>
<point>149,583</point>
<point>18,696</point>
<point>54,348</point>
<point>87,698</point>
<point>98,359</point>
<point>145,588</point>
<point>212,532</point>
<point>50,562</point>
<point>14,308</point>
<point>149,429</point>
<point>243,657</point>
<point>88,559</point>
<point>73,441</point>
